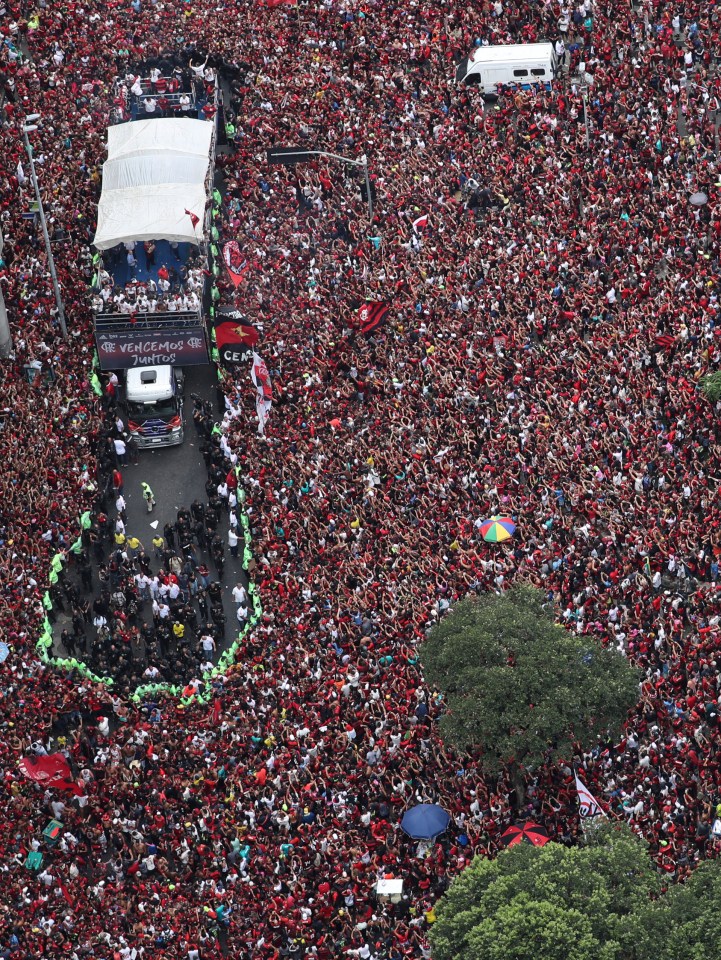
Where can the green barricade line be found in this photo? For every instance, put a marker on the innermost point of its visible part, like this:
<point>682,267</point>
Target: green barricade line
<point>45,640</point>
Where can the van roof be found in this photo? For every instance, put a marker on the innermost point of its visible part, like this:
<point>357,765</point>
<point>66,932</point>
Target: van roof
<point>512,53</point>
<point>149,383</point>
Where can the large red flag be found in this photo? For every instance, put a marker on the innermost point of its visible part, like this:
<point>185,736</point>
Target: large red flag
<point>234,262</point>
<point>51,770</point>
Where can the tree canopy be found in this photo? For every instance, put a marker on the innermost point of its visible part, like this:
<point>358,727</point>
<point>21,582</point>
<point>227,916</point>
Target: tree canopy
<point>520,687</point>
<point>602,901</point>
<point>711,386</point>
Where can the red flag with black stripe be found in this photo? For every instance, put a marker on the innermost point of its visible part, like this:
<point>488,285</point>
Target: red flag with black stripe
<point>665,342</point>
<point>371,316</point>
<point>234,262</point>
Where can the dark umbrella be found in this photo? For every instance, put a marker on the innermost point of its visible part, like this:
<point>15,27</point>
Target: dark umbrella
<point>525,833</point>
<point>425,822</point>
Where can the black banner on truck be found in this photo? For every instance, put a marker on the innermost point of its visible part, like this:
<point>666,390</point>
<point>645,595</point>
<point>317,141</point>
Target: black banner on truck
<point>122,349</point>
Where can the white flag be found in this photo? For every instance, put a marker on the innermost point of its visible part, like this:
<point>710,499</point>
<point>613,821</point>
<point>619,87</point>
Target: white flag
<point>587,803</point>
<point>261,377</point>
<point>264,391</point>
<point>20,174</point>
<point>262,408</point>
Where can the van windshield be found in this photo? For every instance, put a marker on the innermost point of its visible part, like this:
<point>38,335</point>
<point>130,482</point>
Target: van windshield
<point>164,409</point>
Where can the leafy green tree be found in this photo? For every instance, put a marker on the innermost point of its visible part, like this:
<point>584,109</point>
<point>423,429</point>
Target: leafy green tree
<point>551,903</point>
<point>683,924</point>
<point>711,386</point>
<point>600,901</point>
<point>520,687</point>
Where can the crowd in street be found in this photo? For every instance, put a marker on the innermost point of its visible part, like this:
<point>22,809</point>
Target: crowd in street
<point>172,287</point>
<point>151,613</point>
<point>541,357</point>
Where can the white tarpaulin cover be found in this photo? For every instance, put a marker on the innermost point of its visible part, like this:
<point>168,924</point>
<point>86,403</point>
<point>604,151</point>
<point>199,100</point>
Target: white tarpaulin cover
<point>155,171</point>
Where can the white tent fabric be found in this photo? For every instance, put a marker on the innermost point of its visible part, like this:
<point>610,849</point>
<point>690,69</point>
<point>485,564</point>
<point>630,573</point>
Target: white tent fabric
<point>156,169</point>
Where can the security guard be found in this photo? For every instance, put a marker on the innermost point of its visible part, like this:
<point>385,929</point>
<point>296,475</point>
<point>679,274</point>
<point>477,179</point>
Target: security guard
<point>148,495</point>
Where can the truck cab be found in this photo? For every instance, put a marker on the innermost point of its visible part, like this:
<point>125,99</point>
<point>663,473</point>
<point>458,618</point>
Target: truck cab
<point>154,406</point>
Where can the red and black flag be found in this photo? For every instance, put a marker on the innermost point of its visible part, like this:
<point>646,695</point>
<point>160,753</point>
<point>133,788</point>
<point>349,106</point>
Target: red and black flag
<point>234,262</point>
<point>234,335</point>
<point>371,316</point>
<point>665,342</point>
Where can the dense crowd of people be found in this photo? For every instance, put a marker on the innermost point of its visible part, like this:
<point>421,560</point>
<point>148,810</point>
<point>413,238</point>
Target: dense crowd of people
<point>541,357</point>
<point>173,287</point>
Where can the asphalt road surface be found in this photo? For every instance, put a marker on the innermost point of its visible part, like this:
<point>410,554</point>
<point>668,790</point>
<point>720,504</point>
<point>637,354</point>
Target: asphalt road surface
<point>177,476</point>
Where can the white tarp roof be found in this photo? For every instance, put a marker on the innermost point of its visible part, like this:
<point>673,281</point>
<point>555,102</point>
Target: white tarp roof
<point>156,169</point>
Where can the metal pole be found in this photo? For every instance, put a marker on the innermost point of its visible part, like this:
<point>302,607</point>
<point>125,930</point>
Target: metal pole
<point>368,189</point>
<point>48,247</point>
<point>363,162</point>
<point>6,339</point>
<point>336,156</point>
<point>585,118</point>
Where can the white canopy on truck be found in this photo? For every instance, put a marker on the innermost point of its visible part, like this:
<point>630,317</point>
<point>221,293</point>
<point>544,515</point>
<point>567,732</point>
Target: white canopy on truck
<point>155,171</point>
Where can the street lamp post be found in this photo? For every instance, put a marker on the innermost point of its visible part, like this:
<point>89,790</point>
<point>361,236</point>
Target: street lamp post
<point>583,81</point>
<point>27,128</point>
<point>6,340</point>
<point>289,156</point>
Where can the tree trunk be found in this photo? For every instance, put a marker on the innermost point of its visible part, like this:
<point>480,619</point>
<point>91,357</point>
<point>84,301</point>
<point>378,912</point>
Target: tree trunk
<point>519,785</point>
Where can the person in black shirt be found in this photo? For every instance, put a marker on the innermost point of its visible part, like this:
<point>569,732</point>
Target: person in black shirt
<point>169,534</point>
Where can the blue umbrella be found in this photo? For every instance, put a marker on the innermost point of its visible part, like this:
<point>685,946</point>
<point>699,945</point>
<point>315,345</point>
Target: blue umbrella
<point>425,822</point>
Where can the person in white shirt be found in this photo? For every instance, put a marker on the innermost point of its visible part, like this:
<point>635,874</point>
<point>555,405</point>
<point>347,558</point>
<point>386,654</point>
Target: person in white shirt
<point>121,451</point>
<point>198,69</point>
<point>233,542</point>
<point>240,594</point>
<point>207,642</point>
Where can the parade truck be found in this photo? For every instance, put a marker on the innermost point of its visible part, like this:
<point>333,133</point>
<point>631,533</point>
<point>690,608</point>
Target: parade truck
<point>153,402</point>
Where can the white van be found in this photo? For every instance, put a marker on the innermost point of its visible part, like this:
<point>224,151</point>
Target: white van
<point>154,405</point>
<point>514,64</point>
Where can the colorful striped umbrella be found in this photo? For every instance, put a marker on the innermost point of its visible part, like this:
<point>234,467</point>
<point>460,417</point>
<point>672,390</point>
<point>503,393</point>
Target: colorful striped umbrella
<point>498,529</point>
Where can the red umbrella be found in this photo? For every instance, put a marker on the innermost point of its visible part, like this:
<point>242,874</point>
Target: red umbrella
<point>525,833</point>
